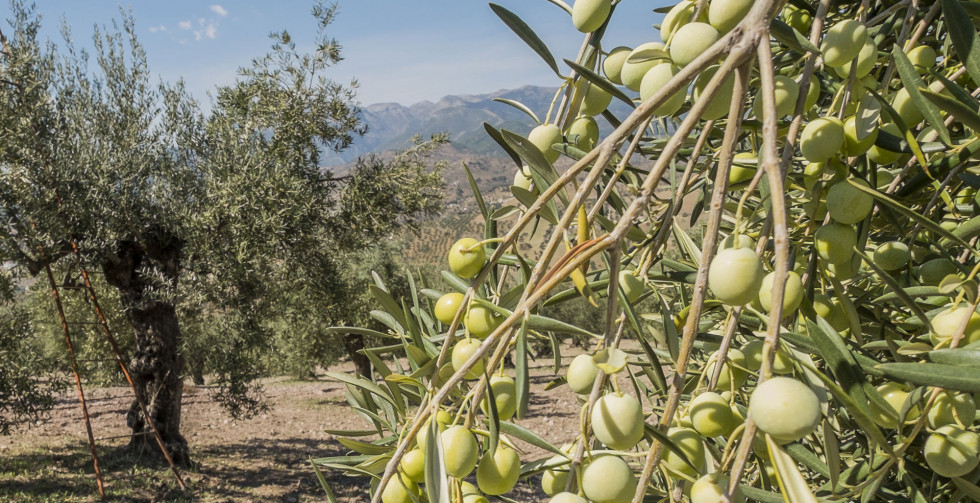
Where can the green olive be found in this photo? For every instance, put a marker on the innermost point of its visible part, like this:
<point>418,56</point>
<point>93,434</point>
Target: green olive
<point>719,104</point>
<point>786,92</point>
<point>848,204</point>
<point>711,415</point>
<point>498,474</point>
<point>690,41</point>
<point>832,311</point>
<point>932,272</point>
<point>504,396</point>
<point>595,100</point>
<point>952,451</point>
<point>798,18</point>
<point>710,488</point>
<point>632,286</point>
<point>923,58</point>
<point>895,395</point>
<point>459,451</point>
<point>588,15</point>
<point>543,137</point>
<point>879,155</point>
<point>692,445</point>
<point>462,352</point>
<point>725,14</point>
<point>612,66</point>
<point>866,59</point>
<point>822,138</point>
<point>447,306</point>
<point>892,256</point>
<point>617,421</point>
<point>732,373</point>
<point>952,407</point>
<point>843,42</point>
<point>853,145</point>
<point>583,132</point>
<point>792,296</point>
<point>581,374</point>
<point>413,465</point>
<point>637,65</point>
<point>781,363</point>
<point>608,479</point>
<point>835,242</point>
<point>947,323</point>
<point>400,489</point>
<point>567,498</point>
<point>785,408</point>
<point>656,78</point>
<point>522,179</point>
<point>735,275</point>
<point>744,167</point>
<point>466,257</point>
<point>679,15</point>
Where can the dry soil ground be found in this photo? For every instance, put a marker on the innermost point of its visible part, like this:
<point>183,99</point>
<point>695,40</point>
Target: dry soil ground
<point>265,458</point>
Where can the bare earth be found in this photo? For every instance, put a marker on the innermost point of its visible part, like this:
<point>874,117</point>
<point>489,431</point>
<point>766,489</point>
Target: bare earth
<point>265,458</point>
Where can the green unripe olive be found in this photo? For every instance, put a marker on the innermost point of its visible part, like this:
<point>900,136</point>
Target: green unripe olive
<point>498,474</point>
<point>885,178</point>
<point>879,155</point>
<point>691,444</point>
<point>588,15</point>
<point>612,66</point>
<point>725,14</point>
<point>892,256</point>
<point>732,373</point>
<point>480,322</point>
<point>690,41</point>
<point>581,374</point>
<point>413,465</point>
<point>595,101</point>
<point>785,408</point>
<point>781,363</point>
<point>719,104</point>
<point>735,275</point>
<point>443,418</point>
<point>798,18</point>
<point>567,498</point>
<point>447,306</point>
<point>522,179</point>
<point>631,285</point>
<point>812,94</point>
<point>678,16</point>
<point>504,396</point>
<point>952,408</point>
<point>866,60</point>
<point>637,65</point>
<point>844,271</point>
<point>835,242</point>
<point>923,58</point>
<point>711,415</point>
<point>710,488</point>
<point>952,451</point>
<point>737,241</point>
<point>399,490</point>
<point>583,132</point>
<point>656,78</point>
<point>832,311</point>
<point>462,352</point>
<point>932,272</point>
<point>608,479</point>
<point>471,494</point>
<point>617,421</point>
<point>543,137</point>
<point>744,166</point>
<point>466,257</point>
<point>792,296</point>
<point>906,109</point>
<point>786,92</point>
<point>843,42</point>
<point>553,480</point>
<point>848,204</point>
<point>946,324</point>
<point>459,451</point>
<point>895,395</point>
<point>853,145</point>
<point>822,138</point>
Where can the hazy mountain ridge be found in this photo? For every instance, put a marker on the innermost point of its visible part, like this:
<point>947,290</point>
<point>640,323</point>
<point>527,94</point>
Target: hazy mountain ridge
<point>391,125</point>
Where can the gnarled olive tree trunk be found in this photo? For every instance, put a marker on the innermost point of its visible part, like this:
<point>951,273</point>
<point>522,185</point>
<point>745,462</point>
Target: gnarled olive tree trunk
<point>143,271</point>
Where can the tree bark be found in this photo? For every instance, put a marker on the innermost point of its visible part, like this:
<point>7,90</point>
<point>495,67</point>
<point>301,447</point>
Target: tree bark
<point>353,344</point>
<point>145,272</point>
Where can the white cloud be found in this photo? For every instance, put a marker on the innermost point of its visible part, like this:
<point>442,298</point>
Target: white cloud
<point>205,30</point>
<point>184,25</point>
<point>219,10</point>
<point>154,29</point>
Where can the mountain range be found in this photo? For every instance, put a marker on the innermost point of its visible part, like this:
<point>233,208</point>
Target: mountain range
<point>391,126</point>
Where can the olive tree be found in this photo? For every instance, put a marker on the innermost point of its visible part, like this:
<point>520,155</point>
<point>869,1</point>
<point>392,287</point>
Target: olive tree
<point>210,213</point>
<point>810,331</point>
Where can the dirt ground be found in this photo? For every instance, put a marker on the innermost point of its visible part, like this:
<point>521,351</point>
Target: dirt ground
<point>265,458</point>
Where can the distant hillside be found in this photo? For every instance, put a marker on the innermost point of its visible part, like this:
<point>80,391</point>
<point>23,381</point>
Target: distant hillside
<point>391,125</point>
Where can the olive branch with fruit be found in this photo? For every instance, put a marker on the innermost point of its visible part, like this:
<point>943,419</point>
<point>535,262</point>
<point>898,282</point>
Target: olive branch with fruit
<point>818,344</point>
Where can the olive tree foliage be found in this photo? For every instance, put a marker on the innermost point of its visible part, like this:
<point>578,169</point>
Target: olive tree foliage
<point>809,334</point>
<point>216,217</point>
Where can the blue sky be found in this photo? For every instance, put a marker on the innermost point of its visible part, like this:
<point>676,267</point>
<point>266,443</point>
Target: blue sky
<point>403,51</point>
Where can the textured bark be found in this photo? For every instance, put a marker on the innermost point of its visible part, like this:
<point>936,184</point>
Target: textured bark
<point>353,344</point>
<point>143,271</point>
